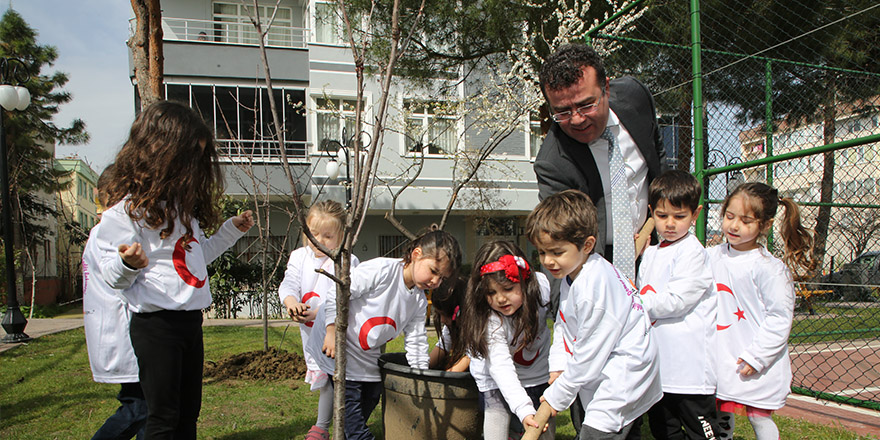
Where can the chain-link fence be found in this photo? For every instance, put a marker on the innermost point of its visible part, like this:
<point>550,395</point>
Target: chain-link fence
<point>787,93</point>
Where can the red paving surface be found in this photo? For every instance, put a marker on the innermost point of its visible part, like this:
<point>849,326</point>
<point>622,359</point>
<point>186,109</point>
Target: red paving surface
<point>861,421</point>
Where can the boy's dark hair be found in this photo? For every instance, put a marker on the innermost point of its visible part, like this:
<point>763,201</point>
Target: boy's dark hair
<point>565,216</point>
<point>678,188</point>
<point>564,68</point>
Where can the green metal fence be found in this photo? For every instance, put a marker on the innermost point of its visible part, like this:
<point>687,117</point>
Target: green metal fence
<point>788,93</point>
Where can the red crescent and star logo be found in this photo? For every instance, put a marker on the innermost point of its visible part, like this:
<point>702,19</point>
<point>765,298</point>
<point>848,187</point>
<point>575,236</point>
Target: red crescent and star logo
<point>305,298</point>
<point>646,289</point>
<point>179,258</point>
<point>740,313</point>
<point>373,322</point>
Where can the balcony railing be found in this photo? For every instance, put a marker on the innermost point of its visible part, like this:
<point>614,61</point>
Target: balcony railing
<point>262,151</point>
<point>208,31</point>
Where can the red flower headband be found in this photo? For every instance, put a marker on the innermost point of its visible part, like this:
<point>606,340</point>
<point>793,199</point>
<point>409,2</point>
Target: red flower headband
<point>511,265</point>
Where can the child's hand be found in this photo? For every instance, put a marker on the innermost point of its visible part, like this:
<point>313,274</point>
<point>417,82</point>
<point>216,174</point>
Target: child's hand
<point>553,376</point>
<point>529,420</point>
<point>297,310</point>
<point>244,221</point>
<point>553,411</point>
<point>329,347</point>
<point>745,369</point>
<point>133,256</point>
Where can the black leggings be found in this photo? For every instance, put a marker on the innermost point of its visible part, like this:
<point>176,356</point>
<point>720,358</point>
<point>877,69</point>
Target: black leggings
<point>170,355</point>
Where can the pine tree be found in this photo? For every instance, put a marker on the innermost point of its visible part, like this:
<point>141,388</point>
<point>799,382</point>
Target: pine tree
<point>32,176</point>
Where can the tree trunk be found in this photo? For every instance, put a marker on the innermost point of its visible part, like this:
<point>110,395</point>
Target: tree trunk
<point>146,49</point>
<point>824,215</point>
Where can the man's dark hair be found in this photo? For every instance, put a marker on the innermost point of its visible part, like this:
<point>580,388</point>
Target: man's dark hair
<point>564,67</point>
<point>679,188</point>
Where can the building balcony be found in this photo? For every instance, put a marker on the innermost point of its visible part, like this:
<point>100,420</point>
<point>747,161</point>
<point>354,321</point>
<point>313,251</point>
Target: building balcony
<point>210,31</point>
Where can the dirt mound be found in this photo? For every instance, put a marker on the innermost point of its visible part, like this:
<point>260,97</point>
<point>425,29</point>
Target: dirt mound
<point>272,365</point>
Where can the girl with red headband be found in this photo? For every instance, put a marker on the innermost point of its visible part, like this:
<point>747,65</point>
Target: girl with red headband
<point>505,331</point>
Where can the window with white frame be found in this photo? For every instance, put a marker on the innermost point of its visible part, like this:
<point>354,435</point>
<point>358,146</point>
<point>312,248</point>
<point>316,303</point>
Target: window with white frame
<point>232,24</point>
<point>335,119</point>
<point>430,128</point>
<point>328,24</point>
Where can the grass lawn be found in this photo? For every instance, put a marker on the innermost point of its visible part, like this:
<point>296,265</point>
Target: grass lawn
<point>47,392</point>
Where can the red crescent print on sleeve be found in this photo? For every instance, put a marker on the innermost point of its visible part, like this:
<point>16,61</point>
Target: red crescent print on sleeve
<point>520,359</point>
<point>373,322</point>
<point>740,313</point>
<point>646,289</point>
<point>179,258</point>
<point>305,298</point>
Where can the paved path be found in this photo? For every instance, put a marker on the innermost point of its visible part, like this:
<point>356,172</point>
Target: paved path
<point>861,421</point>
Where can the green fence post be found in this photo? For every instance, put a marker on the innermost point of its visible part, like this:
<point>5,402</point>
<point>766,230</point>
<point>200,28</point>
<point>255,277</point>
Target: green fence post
<point>768,127</point>
<point>699,153</point>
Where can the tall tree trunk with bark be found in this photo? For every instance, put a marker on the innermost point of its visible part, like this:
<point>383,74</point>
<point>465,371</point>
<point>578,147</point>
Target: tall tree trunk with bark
<point>146,49</point>
<point>829,115</point>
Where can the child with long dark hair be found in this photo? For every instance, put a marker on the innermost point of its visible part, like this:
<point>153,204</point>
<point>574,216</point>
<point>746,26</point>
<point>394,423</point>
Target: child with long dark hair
<point>756,305</point>
<point>154,249</point>
<point>387,299</point>
<point>449,353</point>
<point>505,331</point>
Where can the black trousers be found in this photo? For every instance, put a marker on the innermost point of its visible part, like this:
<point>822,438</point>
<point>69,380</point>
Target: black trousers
<point>170,354</point>
<point>684,416</point>
<point>578,412</point>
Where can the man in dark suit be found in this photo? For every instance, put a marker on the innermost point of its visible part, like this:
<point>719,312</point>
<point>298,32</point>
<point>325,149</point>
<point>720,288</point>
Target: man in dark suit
<point>583,103</point>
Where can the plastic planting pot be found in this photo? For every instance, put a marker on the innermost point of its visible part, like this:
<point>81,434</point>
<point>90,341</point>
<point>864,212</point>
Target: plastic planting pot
<point>428,404</point>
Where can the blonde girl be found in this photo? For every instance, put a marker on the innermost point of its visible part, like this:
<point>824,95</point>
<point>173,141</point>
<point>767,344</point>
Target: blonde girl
<point>756,306</point>
<point>303,292</point>
<point>505,332</point>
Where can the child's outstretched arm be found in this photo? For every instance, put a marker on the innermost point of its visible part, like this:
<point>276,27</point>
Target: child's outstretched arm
<point>231,230</point>
<point>244,221</point>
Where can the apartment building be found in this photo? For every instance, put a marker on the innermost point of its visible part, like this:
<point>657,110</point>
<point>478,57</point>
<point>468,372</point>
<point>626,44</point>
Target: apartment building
<point>212,62</point>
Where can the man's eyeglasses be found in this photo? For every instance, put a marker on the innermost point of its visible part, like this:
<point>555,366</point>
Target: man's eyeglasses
<point>584,111</point>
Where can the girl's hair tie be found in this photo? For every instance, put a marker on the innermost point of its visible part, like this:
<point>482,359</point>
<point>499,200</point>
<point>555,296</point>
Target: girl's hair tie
<point>511,265</point>
<point>455,313</point>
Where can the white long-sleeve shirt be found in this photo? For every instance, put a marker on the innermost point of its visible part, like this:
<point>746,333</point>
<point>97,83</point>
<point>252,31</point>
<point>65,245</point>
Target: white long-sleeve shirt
<point>678,292</point>
<point>175,278</point>
<point>603,334</point>
<point>755,313</point>
<point>381,308</point>
<point>308,287</point>
<point>510,370</point>
<point>106,320</point>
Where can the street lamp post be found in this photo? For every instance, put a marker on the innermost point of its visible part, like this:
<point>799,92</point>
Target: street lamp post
<point>16,97</point>
<point>332,167</point>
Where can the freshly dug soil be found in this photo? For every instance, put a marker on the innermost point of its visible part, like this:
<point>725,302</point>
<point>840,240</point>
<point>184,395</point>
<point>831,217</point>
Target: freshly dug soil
<point>270,365</point>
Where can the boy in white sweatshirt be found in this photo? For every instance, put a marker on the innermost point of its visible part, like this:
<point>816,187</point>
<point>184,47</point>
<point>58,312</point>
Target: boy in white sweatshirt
<point>603,352</point>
